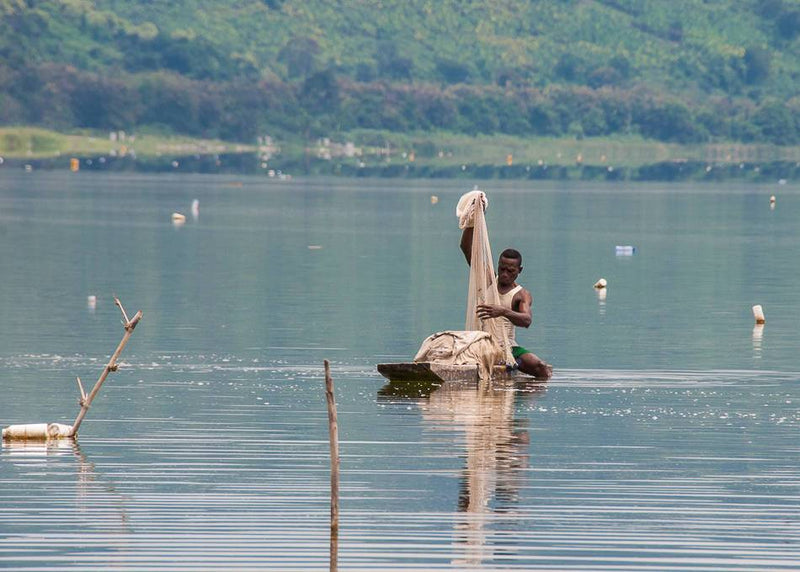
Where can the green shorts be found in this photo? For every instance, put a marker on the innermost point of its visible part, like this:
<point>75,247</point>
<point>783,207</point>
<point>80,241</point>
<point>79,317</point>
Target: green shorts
<point>518,352</point>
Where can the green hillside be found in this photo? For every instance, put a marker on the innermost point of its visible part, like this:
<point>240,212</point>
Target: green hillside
<point>686,71</point>
<point>678,44</point>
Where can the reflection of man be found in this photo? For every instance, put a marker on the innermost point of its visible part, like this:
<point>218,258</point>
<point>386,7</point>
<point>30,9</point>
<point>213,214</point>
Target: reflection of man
<point>515,308</point>
<point>496,448</point>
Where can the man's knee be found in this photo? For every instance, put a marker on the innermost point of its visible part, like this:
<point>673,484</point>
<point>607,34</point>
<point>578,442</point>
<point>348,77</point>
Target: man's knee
<point>531,364</point>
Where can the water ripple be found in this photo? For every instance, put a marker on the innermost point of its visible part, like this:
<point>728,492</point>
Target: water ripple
<point>596,470</point>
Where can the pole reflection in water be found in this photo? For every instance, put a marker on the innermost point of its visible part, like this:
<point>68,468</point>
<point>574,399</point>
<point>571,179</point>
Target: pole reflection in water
<point>334,551</point>
<point>496,449</point>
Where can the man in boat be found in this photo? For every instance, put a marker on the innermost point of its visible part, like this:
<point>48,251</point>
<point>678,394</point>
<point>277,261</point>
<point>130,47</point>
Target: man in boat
<point>515,308</point>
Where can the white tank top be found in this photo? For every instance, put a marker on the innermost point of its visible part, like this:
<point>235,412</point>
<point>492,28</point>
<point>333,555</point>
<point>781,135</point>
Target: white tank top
<point>506,302</point>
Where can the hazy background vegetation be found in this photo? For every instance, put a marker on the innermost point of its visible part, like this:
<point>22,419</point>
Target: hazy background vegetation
<point>672,71</point>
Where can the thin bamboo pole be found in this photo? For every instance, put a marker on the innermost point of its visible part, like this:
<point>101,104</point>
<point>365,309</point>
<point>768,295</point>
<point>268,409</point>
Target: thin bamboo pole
<point>333,430</point>
<point>86,401</point>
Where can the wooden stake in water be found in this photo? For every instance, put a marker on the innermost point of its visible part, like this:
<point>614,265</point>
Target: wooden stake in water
<point>86,400</point>
<point>46,431</point>
<point>333,429</point>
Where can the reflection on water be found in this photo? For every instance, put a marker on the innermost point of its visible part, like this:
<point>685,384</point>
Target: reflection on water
<point>615,469</point>
<point>758,337</point>
<point>85,497</point>
<point>602,294</point>
<point>645,470</point>
<point>333,557</point>
<point>495,449</point>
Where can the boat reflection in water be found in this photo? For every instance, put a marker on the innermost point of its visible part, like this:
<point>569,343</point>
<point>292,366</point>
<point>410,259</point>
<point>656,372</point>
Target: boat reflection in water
<point>496,447</point>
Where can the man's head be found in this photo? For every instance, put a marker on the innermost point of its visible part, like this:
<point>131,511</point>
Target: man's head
<point>508,267</point>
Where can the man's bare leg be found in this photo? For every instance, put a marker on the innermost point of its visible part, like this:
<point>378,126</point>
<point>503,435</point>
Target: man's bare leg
<point>532,365</point>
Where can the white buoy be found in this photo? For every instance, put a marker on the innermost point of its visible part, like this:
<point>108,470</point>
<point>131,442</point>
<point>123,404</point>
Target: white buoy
<point>91,302</point>
<point>758,314</point>
<point>434,199</point>
<point>37,431</point>
<point>195,208</point>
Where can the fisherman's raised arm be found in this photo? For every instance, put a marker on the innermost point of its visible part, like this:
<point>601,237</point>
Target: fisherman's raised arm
<point>466,211</point>
<point>466,243</point>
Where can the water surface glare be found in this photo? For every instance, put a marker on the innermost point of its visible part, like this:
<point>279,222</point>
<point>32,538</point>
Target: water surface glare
<point>667,440</point>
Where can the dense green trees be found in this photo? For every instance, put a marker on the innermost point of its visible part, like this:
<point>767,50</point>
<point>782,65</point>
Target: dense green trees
<point>686,71</point>
<point>62,97</point>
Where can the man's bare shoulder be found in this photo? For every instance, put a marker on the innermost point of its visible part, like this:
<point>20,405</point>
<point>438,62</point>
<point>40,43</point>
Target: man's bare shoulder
<point>522,294</point>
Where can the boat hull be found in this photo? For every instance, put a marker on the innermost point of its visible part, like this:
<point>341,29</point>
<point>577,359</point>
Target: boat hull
<point>435,372</point>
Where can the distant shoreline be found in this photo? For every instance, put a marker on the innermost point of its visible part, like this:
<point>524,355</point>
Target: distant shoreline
<point>394,155</point>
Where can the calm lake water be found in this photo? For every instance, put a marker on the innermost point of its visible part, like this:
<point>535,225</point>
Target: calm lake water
<point>668,439</point>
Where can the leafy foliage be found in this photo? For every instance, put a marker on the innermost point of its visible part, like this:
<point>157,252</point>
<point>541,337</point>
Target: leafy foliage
<point>683,70</point>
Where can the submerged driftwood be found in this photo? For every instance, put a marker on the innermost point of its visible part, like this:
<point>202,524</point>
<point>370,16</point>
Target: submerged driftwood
<point>46,431</point>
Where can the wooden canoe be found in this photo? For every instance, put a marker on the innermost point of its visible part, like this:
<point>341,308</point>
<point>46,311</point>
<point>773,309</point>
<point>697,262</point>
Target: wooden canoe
<point>435,372</point>
<point>421,380</point>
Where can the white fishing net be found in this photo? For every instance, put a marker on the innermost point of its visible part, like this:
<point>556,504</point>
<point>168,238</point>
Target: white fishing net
<point>453,347</point>
<point>482,280</point>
